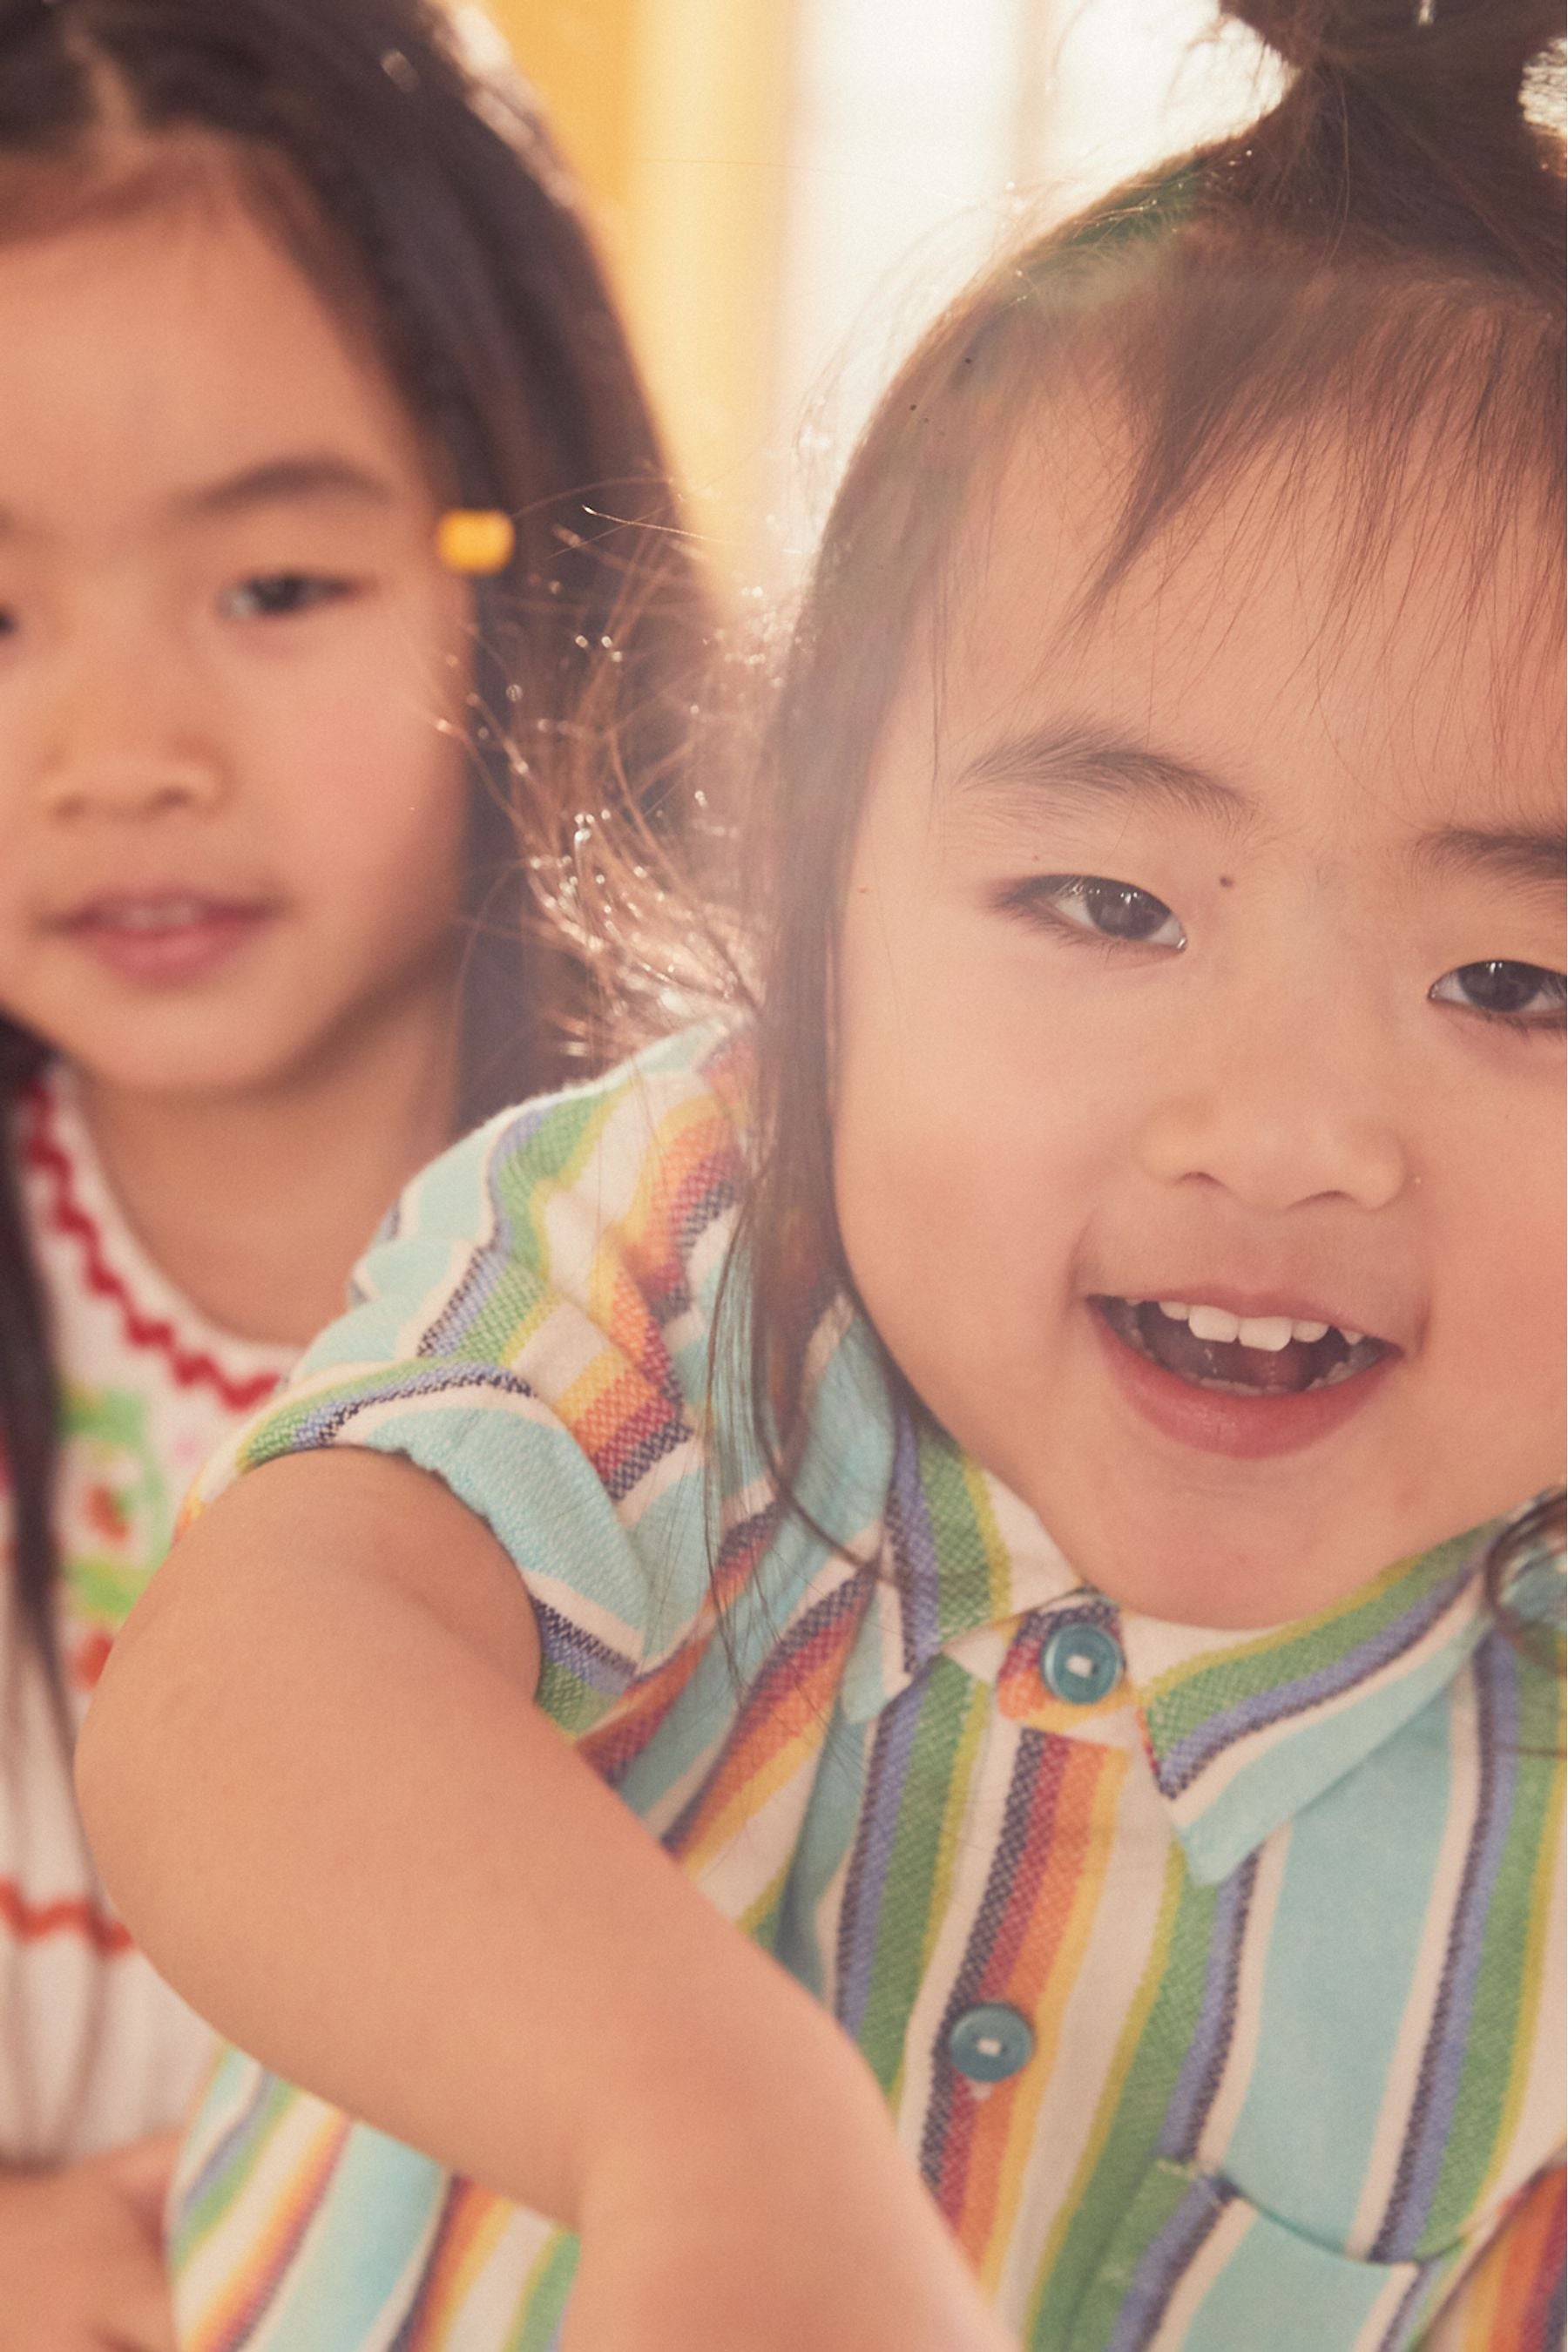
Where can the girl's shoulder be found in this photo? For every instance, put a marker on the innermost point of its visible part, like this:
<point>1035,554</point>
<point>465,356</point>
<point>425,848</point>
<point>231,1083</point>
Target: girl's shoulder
<point>533,1326</point>
<point>638,1165</point>
<point>569,1241</point>
<point>539,1323</point>
<point>688,1092</point>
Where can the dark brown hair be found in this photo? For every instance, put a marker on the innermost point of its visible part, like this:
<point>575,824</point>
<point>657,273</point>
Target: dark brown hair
<point>1382,253</point>
<point>427,198</point>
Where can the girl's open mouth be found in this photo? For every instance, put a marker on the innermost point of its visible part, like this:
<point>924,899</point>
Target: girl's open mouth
<point>1244,1386</point>
<point>1262,1356</point>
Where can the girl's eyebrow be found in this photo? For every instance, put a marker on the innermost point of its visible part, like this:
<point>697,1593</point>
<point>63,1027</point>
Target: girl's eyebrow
<point>1084,759</point>
<point>311,475</point>
<point>283,481</point>
<point>1527,854</point>
<point>1087,761</point>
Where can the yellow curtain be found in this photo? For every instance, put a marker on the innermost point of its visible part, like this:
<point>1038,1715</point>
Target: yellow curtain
<point>674,115</point>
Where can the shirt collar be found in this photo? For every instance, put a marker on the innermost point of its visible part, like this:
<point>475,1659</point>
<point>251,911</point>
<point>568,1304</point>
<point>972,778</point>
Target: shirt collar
<point>959,1551</point>
<point>1242,1730</point>
<point>1245,1730</point>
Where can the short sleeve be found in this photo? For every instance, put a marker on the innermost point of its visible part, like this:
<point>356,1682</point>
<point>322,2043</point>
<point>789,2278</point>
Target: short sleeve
<point>532,1327</point>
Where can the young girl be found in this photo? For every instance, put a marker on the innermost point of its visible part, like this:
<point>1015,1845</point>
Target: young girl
<point>1018,1473</point>
<point>279,285</point>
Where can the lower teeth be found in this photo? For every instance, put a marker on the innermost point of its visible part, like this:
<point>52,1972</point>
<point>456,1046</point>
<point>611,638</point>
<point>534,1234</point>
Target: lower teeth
<point>1246,1387</point>
<point>1125,1316</point>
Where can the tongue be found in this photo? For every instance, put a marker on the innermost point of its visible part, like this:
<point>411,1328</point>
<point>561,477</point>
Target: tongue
<point>1284,1372</point>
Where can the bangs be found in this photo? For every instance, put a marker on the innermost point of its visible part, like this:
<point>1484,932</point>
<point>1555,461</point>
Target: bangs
<point>115,172</point>
<point>1432,410</point>
<point>1437,408</point>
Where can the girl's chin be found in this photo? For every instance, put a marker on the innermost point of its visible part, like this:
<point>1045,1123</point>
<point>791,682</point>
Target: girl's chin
<point>1189,1555</point>
<point>1202,1577</point>
<point>188,1062</point>
<point>1233,1547</point>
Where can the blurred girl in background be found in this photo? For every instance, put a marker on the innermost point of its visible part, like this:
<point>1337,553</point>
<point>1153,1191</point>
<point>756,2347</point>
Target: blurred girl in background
<point>280,284</point>
<point>1024,1472</point>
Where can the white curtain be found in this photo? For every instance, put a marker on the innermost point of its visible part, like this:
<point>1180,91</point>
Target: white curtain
<point>925,133</point>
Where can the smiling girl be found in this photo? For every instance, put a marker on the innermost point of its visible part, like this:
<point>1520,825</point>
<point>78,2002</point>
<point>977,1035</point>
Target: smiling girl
<point>279,287</point>
<point>1020,1470</point>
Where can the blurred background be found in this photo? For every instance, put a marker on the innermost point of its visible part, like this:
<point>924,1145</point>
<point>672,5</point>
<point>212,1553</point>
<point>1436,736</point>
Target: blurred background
<point>787,191</point>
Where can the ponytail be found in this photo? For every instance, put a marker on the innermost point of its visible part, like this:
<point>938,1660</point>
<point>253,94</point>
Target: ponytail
<point>1404,129</point>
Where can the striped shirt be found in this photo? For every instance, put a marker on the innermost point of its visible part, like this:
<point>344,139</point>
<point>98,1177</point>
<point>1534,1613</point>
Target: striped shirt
<point>1212,1978</point>
<point>95,2049</point>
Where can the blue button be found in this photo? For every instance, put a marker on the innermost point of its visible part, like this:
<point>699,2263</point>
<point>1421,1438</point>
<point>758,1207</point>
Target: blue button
<point>1079,1662</point>
<point>990,2042</point>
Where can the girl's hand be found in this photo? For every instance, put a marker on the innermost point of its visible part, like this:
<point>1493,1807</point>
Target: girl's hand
<point>82,2256</point>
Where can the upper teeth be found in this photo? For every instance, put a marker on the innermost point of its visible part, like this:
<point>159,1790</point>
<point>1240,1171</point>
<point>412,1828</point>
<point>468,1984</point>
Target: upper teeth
<point>1271,1332</point>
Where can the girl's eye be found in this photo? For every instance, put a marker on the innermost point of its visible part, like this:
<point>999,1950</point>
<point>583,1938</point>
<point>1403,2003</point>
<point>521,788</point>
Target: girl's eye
<point>279,595</point>
<point>1526,995</point>
<point>1104,909</point>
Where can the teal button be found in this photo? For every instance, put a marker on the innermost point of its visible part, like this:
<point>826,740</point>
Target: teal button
<point>1081,1662</point>
<point>991,2042</point>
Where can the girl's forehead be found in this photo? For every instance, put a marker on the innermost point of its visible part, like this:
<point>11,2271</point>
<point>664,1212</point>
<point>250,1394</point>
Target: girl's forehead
<point>1282,621</point>
<point>154,350</point>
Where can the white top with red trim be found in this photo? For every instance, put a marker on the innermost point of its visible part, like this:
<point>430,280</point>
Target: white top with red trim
<point>94,2048</point>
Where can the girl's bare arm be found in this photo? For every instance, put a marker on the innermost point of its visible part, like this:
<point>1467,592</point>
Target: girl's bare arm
<point>330,1810</point>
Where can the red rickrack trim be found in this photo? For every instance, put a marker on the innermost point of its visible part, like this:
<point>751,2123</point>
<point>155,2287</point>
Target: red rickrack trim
<point>42,1150</point>
<point>67,1916</point>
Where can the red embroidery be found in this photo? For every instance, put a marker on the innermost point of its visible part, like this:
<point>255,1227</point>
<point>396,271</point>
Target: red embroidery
<point>42,1150</point>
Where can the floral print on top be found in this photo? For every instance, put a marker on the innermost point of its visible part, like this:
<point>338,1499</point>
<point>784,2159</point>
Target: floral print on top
<point>94,2047</point>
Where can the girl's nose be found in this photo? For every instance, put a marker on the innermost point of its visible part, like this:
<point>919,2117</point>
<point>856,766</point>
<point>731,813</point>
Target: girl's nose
<point>125,726</point>
<point>1279,1142</point>
<point>129,785</point>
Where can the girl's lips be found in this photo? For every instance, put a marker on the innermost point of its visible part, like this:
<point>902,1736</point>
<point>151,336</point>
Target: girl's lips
<point>165,941</point>
<point>1216,1421</point>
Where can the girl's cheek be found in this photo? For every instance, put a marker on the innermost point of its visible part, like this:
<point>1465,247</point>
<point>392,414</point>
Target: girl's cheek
<point>360,810</point>
<point>385,752</point>
<point>387,698</point>
<point>1498,1311</point>
<point>407,820</point>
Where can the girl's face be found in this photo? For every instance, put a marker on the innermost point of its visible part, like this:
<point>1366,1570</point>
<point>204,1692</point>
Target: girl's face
<point>1198,1123</point>
<point>231,823</point>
